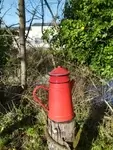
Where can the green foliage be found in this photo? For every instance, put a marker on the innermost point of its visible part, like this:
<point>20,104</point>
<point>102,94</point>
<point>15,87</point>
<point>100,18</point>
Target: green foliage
<point>23,128</point>
<point>85,34</point>
<point>3,141</point>
<point>5,46</point>
<point>34,136</point>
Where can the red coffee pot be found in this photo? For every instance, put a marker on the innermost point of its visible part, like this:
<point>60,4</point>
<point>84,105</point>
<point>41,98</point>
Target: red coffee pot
<point>60,107</point>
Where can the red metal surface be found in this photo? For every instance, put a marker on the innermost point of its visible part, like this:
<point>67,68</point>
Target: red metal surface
<point>59,75</point>
<point>60,98</point>
<point>60,102</point>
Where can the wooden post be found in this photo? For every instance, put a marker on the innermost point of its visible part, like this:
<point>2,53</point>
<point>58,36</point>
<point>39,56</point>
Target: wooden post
<point>59,135</point>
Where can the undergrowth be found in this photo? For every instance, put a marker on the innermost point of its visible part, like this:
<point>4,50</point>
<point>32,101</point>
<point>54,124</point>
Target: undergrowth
<point>22,121</point>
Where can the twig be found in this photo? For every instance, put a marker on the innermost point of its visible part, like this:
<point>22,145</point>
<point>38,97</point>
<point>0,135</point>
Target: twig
<point>8,30</point>
<point>108,106</point>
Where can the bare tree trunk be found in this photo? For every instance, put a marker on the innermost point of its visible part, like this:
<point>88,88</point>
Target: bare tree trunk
<point>22,22</point>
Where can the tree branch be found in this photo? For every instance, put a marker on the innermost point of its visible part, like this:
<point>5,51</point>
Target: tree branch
<point>47,4</point>
<point>31,22</point>
<point>54,18</point>
<point>42,3</point>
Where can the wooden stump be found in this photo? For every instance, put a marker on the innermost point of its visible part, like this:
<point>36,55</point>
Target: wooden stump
<point>60,134</point>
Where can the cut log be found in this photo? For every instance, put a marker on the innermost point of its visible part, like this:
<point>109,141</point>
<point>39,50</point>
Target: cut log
<point>59,135</point>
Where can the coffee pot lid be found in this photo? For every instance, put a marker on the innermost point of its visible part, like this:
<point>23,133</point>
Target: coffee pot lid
<point>59,71</point>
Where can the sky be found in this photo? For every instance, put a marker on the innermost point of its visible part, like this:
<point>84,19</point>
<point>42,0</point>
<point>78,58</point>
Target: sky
<point>10,12</point>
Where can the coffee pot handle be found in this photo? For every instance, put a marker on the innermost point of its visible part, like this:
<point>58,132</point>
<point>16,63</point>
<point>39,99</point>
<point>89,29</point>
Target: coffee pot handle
<point>37,99</point>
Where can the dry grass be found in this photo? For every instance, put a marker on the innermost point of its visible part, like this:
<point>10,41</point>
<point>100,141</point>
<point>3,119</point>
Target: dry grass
<point>93,116</point>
